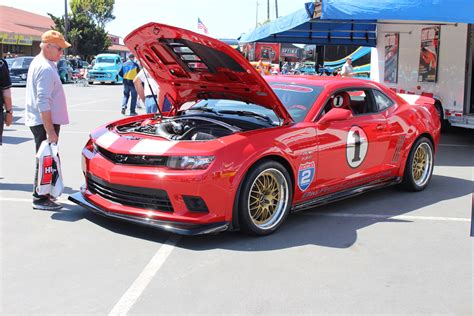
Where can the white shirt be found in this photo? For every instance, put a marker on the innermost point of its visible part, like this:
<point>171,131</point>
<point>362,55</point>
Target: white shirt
<point>154,85</point>
<point>347,70</point>
<point>44,92</point>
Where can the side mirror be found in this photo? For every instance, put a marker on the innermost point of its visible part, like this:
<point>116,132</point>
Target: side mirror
<point>335,115</point>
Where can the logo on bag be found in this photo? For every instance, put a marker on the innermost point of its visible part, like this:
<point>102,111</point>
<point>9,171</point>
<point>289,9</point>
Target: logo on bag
<point>305,175</point>
<point>47,171</point>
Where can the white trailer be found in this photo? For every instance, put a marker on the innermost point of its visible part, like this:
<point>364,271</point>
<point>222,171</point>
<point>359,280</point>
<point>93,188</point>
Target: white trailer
<point>453,88</point>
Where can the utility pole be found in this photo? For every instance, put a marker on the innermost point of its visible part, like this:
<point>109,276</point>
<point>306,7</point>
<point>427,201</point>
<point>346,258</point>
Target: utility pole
<point>256,14</point>
<point>268,10</point>
<point>276,8</point>
<point>66,24</point>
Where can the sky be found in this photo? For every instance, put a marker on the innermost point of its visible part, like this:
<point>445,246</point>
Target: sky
<point>223,18</point>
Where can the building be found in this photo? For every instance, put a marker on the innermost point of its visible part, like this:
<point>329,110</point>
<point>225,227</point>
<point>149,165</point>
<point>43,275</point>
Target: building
<point>117,48</point>
<point>20,31</point>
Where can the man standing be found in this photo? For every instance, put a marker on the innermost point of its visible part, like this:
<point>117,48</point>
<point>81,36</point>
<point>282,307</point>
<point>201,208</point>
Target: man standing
<point>129,72</point>
<point>5,97</point>
<point>46,108</point>
<point>347,70</point>
<point>148,89</point>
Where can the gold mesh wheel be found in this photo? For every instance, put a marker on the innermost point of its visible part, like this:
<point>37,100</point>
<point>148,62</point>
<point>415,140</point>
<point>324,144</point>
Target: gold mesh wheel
<point>268,198</point>
<point>422,164</point>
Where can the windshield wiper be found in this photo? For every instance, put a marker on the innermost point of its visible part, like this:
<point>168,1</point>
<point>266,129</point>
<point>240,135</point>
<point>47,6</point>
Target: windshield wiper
<point>204,109</point>
<point>249,113</point>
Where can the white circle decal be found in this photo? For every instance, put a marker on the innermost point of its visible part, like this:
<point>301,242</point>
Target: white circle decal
<point>337,101</point>
<point>356,146</point>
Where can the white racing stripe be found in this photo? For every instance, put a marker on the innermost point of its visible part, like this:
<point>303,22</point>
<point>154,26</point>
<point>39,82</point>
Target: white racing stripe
<point>136,289</point>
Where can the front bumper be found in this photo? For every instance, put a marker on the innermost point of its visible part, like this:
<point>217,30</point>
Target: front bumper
<point>169,226</point>
<point>16,81</point>
<point>103,76</point>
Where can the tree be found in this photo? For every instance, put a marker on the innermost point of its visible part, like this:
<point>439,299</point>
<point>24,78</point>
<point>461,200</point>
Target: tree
<point>86,29</point>
<point>98,10</point>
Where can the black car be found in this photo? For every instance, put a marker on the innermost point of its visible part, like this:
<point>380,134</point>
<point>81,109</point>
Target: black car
<point>19,70</point>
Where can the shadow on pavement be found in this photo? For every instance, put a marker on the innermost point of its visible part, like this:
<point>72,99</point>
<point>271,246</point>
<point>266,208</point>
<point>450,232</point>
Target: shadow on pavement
<point>27,187</point>
<point>15,140</point>
<point>309,227</point>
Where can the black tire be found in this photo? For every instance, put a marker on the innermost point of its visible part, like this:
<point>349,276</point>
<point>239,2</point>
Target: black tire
<point>417,173</point>
<point>91,82</point>
<point>445,126</point>
<point>274,181</point>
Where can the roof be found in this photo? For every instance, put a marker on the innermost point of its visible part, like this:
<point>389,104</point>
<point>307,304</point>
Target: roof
<point>118,48</point>
<point>23,22</point>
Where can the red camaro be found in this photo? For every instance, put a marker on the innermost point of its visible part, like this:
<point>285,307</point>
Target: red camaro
<point>242,151</point>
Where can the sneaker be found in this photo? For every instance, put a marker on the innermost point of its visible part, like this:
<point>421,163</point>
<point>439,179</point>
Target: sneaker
<point>47,205</point>
<point>133,113</point>
<point>123,111</point>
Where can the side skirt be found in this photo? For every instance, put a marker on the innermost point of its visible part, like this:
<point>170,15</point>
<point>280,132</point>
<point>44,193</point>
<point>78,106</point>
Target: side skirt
<point>333,197</point>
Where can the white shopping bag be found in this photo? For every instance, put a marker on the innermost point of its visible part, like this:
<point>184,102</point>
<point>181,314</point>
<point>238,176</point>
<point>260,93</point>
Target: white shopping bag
<point>49,174</point>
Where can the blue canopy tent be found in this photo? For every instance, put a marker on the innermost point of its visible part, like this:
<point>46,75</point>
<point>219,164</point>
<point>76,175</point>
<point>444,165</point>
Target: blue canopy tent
<point>350,22</point>
<point>455,11</point>
<point>304,27</point>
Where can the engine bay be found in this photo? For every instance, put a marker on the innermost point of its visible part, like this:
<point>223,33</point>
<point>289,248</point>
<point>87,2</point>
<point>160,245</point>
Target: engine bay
<point>194,128</point>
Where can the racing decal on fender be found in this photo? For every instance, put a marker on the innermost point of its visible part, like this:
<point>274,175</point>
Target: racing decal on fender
<point>305,175</point>
<point>356,146</point>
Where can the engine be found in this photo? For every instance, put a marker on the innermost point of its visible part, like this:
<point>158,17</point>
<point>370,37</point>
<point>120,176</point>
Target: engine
<point>186,128</point>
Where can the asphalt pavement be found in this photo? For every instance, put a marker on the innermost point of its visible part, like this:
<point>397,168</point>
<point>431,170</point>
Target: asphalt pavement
<point>386,251</point>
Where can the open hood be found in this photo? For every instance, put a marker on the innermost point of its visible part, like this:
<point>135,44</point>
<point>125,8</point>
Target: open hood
<point>189,66</point>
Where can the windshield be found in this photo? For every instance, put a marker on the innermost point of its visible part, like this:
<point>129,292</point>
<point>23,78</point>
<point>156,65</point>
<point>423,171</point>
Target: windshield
<point>239,108</point>
<point>10,62</point>
<point>297,99</point>
<point>105,60</point>
<point>19,63</point>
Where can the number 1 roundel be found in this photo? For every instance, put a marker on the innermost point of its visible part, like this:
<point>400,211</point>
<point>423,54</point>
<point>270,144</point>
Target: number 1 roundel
<point>356,146</point>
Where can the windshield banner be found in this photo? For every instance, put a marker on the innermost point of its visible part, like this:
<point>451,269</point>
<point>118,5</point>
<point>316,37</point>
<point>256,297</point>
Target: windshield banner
<point>428,70</point>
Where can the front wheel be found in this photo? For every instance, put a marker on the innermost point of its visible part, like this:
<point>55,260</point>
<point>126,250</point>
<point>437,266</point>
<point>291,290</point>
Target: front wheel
<point>419,165</point>
<point>265,198</point>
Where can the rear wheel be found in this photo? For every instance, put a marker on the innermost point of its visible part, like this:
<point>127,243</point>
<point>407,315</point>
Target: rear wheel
<point>419,165</point>
<point>265,198</point>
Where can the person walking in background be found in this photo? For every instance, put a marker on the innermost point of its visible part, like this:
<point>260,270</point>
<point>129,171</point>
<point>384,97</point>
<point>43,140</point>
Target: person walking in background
<point>129,71</point>
<point>146,87</point>
<point>347,69</point>
<point>5,97</point>
<point>45,104</point>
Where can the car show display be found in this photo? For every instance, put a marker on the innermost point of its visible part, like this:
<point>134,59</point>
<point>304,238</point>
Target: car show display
<point>241,151</point>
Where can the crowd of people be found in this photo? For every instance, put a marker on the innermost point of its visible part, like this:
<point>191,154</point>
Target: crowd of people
<point>298,68</point>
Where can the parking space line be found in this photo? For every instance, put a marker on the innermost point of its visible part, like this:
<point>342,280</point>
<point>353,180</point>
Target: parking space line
<point>374,216</point>
<point>454,145</point>
<point>139,285</point>
<point>399,217</point>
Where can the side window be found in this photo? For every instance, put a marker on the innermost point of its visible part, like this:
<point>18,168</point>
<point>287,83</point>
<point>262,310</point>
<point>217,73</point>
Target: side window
<point>382,101</point>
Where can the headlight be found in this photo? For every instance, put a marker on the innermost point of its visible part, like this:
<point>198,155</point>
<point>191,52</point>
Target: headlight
<point>23,76</point>
<point>109,75</point>
<point>190,162</point>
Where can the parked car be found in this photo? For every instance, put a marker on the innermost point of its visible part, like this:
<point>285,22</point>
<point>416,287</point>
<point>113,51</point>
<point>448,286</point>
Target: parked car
<point>19,70</point>
<point>247,150</point>
<point>106,69</point>
<point>65,70</point>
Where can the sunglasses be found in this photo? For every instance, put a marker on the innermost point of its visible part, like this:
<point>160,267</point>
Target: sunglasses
<point>57,47</point>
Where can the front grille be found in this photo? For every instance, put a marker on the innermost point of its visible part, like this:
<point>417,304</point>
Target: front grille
<point>137,160</point>
<point>146,198</point>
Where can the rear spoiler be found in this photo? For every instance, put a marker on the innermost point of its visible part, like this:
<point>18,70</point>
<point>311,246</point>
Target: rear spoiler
<point>416,99</point>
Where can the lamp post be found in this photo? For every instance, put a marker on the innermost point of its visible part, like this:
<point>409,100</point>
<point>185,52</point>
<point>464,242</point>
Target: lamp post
<point>66,24</point>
